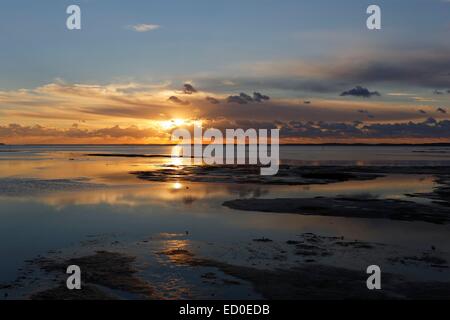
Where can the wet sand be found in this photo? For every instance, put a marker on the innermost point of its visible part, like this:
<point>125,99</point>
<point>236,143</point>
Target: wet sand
<point>287,175</point>
<point>102,269</point>
<point>309,279</point>
<point>347,207</point>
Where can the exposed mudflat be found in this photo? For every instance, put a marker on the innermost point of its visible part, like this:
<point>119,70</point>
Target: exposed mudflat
<point>310,282</point>
<point>287,175</point>
<point>347,207</point>
<point>304,267</point>
<point>314,281</point>
<point>106,269</point>
<point>437,211</point>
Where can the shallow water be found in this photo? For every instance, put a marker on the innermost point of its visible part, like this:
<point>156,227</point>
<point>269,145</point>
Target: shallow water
<point>36,219</point>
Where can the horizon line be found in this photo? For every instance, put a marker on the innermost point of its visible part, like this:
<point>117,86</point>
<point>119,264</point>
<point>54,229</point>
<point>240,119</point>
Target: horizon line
<point>281,144</point>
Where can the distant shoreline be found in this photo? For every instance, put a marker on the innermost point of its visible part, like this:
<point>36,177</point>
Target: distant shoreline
<point>437,144</point>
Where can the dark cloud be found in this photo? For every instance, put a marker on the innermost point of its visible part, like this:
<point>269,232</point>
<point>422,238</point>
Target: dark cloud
<point>430,128</point>
<point>441,110</point>
<point>422,68</point>
<point>359,91</point>
<point>236,99</point>
<point>212,100</point>
<point>306,102</point>
<point>244,98</point>
<point>177,100</point>
<point>258,97</point>
<point>189,89</point>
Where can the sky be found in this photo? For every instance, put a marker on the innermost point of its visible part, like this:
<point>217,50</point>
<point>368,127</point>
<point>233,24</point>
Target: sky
<point>138,69</point>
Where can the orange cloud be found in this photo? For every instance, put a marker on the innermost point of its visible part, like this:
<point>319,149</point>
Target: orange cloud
<point>133,112</point>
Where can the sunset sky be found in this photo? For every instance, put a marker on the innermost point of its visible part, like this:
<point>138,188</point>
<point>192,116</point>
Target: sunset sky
<point>139,69</point>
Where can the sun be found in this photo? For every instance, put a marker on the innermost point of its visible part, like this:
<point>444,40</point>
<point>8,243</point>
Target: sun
<point>177,186</point>
<point>173,123</point>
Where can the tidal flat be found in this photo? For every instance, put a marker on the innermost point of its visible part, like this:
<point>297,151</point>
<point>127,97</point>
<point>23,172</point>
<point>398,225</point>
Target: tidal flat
<point>297,269</point>
<point>153,227</point>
